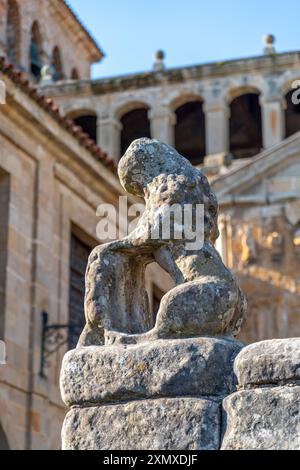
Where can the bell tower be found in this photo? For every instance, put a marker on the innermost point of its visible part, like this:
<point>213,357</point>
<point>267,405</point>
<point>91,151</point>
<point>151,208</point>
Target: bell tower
<point>35,34</point>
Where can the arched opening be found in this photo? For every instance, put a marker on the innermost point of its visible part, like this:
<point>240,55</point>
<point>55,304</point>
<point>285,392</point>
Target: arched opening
<point>87,120</point>
<point>245,126</point>
<point>74,74</point>
<point>36,50</point>
<point>190,131</point>
<point>58,73</point>
<point>13,32</point>
<point>292,112</point>
<point>135,124</point>
<point>3,440</point>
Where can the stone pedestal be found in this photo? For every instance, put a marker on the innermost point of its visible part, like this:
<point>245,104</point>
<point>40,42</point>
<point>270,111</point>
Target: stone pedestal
<point>164,394</point>
<point>265,412</point>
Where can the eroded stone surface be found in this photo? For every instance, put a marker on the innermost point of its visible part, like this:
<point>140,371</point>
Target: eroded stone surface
<point>168,368</point>
<point>206,299</point>
<point>162,424</point>
<point>269,362</point>
<point>263,418</point>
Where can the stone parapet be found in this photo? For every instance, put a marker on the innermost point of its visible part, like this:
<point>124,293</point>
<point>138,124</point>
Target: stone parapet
<point>265,413</point>
<point>162,368</point>
<point>165,394</point>
<point>162,424</point>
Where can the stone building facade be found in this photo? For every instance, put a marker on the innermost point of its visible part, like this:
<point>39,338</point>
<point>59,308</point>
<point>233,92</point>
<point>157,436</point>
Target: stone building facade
<point>35,33</point>
<point>237,107</point>
<point>53,176</point>
<point>260,226</point>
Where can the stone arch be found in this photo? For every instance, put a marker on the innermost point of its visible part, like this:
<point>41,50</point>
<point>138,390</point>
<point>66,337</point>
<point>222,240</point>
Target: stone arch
<point>36,50</point>
<point>13,32</point>
<point>237,91</point>
<point>86,119</point>
<point>57,64</point>
<point>135,123</point>
<point>190,127</point>
<point>288,82</point>
<point>245,122</point>
<point>291,104</point>
<point>125,107</point>
<point>183,98</point>
<point>4,445</point>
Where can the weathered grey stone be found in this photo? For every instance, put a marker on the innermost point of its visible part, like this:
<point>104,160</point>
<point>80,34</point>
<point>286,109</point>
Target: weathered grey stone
<point>162,368</point>
<point>166,423</point>
<point>274,361</point>
<point>263,418</point>
<point>124,353</point>
<point>206,299</point>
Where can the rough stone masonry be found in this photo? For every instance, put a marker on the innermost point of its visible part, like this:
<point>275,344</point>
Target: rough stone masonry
<point>135,382</point>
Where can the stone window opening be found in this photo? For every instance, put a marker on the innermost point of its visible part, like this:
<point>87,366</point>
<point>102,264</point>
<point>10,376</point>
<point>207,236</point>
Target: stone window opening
<point>245,126</point>
<point>58,72</point>
<point>292,113</point>
<point>87,120</point>
<point>135,124</point>
<point>190,131</point>
<point>75,74</point>
<point>13,32</point>
<point>81,247</point>
<point>36,50</point>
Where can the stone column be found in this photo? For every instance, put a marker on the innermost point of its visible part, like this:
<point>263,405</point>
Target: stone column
<point>163,121</point>
<point>217,127</point>
<point>109,129</point>
<point>272,121</point>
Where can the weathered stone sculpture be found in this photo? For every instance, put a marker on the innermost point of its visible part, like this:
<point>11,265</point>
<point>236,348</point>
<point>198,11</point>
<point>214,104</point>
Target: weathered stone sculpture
<point>138,383</point>
<point>206,299</point>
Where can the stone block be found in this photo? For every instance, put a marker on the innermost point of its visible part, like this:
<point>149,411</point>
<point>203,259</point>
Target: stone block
<point>274,361</point>
<point>263,419</point>
<point>161,424</point>
<point>168,368</point>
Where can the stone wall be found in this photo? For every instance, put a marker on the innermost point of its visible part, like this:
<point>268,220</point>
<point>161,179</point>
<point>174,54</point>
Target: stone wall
<point>162,395</point>
<point>264,414</point>
<point>49,184</point>
<point>145,400</point>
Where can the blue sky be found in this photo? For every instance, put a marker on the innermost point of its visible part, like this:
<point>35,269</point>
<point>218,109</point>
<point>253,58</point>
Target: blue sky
<point>189,31</point>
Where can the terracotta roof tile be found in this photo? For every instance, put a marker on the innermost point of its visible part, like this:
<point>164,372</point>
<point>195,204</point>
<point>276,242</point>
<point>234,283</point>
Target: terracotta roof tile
<point>51,108</point>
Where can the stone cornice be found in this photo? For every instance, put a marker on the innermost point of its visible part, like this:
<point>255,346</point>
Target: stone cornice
<point>79,31</point>
<point>235,182</point>
<point>270,64</point>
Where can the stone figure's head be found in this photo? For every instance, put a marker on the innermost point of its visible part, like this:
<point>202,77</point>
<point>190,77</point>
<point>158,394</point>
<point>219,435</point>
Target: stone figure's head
<point>158,173</point>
